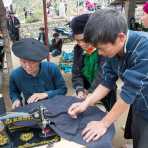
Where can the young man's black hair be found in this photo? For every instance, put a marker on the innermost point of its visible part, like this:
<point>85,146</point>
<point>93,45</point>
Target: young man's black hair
<point>104,26</point>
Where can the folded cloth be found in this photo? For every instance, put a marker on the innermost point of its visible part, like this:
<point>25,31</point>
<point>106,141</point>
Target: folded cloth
<point>70,128</point>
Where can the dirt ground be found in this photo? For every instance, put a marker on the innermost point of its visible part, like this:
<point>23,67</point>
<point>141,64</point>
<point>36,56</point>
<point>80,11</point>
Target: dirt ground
<point>118,140</point>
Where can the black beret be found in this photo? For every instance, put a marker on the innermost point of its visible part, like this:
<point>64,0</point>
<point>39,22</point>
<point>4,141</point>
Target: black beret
<point>30,49</point>
<point>78,23</point>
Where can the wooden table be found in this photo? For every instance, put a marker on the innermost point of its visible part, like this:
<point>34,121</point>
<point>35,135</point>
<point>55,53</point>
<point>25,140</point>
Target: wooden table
<point>63,144</point>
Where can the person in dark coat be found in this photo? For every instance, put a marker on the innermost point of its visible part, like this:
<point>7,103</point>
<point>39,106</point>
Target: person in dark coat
<point>56,45</point>
<point>1,50</point>
<point>132,24</point>
<point>13,25</point>
<point>87,64</point>
<point>41,36</point>
<point>34,80</point>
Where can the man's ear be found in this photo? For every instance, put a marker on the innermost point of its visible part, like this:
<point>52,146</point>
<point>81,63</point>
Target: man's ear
<point>122,36</point>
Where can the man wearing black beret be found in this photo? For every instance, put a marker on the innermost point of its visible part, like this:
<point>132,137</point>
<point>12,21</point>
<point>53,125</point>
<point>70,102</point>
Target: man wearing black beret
<point>34,80</point>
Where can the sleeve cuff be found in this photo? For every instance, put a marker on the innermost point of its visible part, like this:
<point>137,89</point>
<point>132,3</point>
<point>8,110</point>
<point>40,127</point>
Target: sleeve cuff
<point>110,85</point>
<point>127,97</point>
<point>79,88</point>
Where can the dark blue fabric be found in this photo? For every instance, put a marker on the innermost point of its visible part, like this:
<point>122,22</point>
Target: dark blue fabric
<point>68,127</point>
<point>132,69</point>
<point>49,80</point>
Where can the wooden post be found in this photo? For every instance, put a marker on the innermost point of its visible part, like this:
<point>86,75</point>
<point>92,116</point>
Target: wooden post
<point>130,6</point>
<point>46,26</point>
<point>78,11</point>
<point>3,27</point>
<point>45,22</point>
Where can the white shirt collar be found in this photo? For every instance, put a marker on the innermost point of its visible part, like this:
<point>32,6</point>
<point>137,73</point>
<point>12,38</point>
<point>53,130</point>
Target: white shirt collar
<point>126,41</point>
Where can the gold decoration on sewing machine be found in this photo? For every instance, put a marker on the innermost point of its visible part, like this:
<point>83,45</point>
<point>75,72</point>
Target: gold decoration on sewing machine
<point>3,139</point>
<point>26,136</point>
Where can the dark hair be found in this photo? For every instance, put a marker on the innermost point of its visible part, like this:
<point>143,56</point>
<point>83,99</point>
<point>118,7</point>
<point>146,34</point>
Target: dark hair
<point>78,23</point>
<point>56,34</point>
<point>104,25</point>
<point>41,28</point>
<point>132,19</point>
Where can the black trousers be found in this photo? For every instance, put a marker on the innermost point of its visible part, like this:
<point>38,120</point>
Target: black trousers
<point>139,132</point>
<point>128,126</point>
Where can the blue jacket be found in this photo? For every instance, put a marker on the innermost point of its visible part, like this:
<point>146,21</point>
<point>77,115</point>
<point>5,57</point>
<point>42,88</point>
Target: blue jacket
<point>49,80</point>
<point>132,68</point>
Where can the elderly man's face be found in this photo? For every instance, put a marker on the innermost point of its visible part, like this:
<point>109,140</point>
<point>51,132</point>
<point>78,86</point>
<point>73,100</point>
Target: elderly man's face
<point>144,19</point>
<point>31,67</point>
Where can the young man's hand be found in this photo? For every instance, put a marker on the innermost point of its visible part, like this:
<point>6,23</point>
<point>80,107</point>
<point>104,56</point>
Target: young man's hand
<point>36,97</point>
<point>77,108</point>
<point>16,103</point>
<point>94,130</point>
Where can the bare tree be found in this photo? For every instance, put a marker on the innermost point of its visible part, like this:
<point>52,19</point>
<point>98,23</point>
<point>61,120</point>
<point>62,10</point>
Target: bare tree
<point>130,8</point>
<point>3,27</point>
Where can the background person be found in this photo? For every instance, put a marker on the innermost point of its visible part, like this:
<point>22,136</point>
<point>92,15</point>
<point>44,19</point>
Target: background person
<point>41,36</point>
<point>13,25</point>
<point>56,45</point>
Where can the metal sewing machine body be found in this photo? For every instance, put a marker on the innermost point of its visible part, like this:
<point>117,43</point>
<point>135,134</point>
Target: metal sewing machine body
<point>19,129</point>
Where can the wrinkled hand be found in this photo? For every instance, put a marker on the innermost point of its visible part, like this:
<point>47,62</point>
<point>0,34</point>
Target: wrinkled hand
<point>36,97</point>
<point>94,130</point>
<point>77,108</point>
<point>16,103</point>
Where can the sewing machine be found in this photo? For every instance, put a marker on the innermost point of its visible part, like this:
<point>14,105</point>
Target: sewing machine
<point>18,129</point>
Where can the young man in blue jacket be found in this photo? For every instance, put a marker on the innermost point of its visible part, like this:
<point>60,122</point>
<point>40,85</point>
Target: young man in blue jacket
<point>34,80</point>
<point>127,58</point>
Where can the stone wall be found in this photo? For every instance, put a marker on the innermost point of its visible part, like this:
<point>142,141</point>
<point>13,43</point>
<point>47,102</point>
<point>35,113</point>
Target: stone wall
<point>32,29</point>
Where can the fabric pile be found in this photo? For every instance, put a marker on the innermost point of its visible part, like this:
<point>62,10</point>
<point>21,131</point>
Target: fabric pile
<point>70,128</point>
